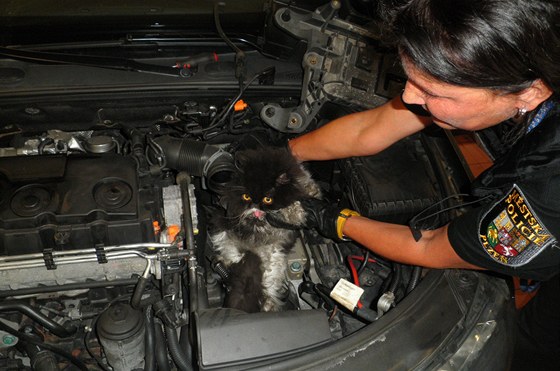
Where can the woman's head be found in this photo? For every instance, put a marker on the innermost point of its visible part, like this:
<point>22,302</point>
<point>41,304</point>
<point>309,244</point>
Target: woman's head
<point>498,44</point>
<point>505,52</point>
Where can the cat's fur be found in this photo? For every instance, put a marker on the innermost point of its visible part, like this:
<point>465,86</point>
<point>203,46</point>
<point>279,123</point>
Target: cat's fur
<point>269,182</point>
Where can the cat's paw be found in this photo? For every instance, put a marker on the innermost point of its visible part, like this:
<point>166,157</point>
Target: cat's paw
<point>291,217</point>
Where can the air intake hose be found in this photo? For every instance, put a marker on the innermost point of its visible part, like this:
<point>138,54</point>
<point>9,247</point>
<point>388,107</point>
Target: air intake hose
<point>198,159</point>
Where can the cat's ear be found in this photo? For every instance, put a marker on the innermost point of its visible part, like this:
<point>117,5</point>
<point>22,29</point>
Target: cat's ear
<point>283,179</point>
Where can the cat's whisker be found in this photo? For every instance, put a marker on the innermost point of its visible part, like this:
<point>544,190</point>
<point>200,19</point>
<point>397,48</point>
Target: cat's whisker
<point>236,217</point>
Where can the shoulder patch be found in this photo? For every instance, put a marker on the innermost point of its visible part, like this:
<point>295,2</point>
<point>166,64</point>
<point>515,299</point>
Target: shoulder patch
<point>510,231</point>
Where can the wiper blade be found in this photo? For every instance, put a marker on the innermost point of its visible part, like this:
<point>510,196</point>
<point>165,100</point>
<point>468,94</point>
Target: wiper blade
<point>89,61</point>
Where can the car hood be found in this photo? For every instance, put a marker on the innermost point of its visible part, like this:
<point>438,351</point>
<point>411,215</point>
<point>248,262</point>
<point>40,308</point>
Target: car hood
<point>35,22</point>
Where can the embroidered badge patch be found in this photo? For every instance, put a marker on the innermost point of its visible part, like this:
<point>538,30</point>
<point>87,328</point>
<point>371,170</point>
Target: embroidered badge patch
<point>511,233</point>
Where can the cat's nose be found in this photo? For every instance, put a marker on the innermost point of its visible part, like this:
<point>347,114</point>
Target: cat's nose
<point>258,213</point>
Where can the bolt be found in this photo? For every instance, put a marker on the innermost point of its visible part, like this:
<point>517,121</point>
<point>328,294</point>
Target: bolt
<point>270,112</point>
<point>295,267</point>
<point>312,60</point>
<point>8,339</point>
<point>32,111</point>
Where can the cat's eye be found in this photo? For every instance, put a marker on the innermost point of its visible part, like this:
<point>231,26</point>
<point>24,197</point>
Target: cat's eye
<point>267,200</point>
<point>246,197</point>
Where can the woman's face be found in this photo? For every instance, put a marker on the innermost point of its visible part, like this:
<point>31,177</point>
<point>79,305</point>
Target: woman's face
<point>457,107</point>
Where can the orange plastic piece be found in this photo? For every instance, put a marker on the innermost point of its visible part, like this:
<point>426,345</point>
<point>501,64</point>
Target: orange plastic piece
<point>156,226</point>
<point>240,105</point>
<point>172,232</point>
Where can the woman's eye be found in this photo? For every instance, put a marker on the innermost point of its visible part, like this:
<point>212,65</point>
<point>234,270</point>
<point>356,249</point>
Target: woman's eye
<point>246,197</point>
<point>267,200</point>
<point>428,94</point>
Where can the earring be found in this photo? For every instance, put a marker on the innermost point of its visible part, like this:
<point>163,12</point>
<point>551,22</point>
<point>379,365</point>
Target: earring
<point>521,112</point>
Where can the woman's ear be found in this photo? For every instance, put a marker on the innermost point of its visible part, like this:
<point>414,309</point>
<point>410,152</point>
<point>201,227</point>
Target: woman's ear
<point>534,95</point>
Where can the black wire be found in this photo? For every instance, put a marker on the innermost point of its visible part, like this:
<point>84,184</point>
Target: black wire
<point>88,348</point>
<point>415,219</point>
<point>364,263</point>
<point>218,119</point>
<point>239,54</point>
<point>220,29</point>
<point>159,154</point>
<point>29,339</point>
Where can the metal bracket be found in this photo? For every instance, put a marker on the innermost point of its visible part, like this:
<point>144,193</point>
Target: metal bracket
<point>48,257</point>
<point>100,253</point>
<point>341,64</point>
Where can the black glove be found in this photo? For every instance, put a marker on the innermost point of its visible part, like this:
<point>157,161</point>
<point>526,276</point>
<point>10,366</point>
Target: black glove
<point>326,218</point>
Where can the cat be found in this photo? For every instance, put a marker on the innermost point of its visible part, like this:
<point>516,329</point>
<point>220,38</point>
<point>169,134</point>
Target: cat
<point>268,185</point>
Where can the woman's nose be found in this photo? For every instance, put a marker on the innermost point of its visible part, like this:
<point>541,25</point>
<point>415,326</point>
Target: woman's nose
<point>412,95</point>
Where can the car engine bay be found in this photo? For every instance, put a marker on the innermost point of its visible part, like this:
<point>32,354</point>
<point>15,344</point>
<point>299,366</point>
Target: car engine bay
<point>105,261</point>
<point>93,224</point>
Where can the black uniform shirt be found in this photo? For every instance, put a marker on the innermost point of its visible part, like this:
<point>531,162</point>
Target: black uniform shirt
<point>516,231</point>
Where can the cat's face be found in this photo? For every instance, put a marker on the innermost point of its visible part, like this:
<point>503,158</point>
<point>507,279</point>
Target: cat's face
<point>267,182</point>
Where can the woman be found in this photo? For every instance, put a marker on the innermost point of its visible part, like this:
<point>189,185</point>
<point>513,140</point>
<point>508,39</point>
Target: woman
<point>471,64</point>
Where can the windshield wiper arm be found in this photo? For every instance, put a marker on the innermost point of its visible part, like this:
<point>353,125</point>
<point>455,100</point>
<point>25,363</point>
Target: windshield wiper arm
<point>89,61</point>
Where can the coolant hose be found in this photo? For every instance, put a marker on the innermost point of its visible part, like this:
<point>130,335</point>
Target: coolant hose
<point>180,358</point>
<point>40,359</point>
<point>150,340</point>
<point>161,349</point>
<point>38,317</point>
<point>198,159</point>
<point>138,292</point>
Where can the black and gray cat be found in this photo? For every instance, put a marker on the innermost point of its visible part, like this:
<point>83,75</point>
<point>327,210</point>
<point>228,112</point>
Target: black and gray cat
<point>268,185</point>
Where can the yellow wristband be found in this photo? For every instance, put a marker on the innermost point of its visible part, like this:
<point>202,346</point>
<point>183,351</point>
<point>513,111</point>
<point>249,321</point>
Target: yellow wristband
<point>342,217</point>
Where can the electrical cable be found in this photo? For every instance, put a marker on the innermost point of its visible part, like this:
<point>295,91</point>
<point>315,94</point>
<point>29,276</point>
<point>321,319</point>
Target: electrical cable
<point>92,354</point>
<point>219,118</point>
<point>364,263</point>
<point>414,279</point>
<point>29,339</point>
<point>354,272</point>
<point>396,280</point>
<point>239,54</point>
<point>93,325</point>
<point>414,221</point>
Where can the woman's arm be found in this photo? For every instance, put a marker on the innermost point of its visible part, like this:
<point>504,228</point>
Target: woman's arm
<point>359,134</point>
<point>395,242</point>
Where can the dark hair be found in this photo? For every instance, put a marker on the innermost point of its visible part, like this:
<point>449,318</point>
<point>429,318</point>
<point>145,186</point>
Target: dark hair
<point>497,44</point>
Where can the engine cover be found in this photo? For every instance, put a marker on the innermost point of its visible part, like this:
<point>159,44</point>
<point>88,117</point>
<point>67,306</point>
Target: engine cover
<point>74,202</point>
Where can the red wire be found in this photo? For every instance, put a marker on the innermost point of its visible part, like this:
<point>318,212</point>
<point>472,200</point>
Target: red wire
<point>354,271</point>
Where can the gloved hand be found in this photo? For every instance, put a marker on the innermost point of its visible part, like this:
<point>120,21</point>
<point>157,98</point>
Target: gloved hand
<point>326,218</point>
